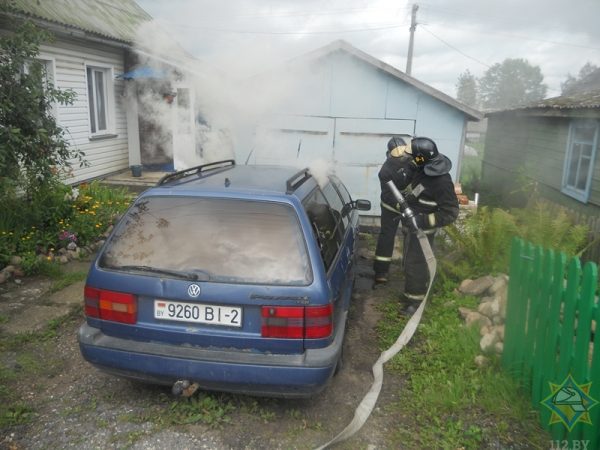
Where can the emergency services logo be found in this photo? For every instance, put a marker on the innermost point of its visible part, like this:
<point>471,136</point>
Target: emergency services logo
<point>194,290</point>
<point>570,403</point>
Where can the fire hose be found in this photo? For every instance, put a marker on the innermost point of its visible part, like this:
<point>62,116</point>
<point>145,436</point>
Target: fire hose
<point>365,408</point>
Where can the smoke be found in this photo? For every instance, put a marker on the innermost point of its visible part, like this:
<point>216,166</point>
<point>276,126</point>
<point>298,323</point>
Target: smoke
<point>208,113</point>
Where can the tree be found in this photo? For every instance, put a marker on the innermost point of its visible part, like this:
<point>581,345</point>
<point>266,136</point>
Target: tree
<point>512,83</point>
<point>466,89</point>
<point>572,84</point>
<point>32,146</point>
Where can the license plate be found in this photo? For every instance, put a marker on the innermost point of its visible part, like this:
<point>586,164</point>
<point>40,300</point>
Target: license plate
<point>198,313</point>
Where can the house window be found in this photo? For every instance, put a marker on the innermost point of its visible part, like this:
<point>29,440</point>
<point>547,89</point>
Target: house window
<point>99,83</point>
<point>579,164</point>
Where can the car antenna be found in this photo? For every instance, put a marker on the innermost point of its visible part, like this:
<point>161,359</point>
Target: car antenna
<point>299,145</point>
<point>249,155</point>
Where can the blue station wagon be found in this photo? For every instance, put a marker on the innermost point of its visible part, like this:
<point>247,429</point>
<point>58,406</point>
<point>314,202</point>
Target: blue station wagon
<point>237,278</point>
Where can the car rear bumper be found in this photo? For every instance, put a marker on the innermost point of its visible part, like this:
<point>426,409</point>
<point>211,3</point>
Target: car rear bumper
<point>232,370</point>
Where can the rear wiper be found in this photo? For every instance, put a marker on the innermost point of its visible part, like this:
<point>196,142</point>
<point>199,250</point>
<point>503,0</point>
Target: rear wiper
<point>177,273</point>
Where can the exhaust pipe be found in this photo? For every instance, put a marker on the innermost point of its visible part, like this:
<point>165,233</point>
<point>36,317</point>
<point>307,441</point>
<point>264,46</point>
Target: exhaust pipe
<point>184,388</point>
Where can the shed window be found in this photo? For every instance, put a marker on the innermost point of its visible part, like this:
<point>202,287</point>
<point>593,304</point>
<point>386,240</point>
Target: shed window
<point>579,163</point>
<point>99,83</point>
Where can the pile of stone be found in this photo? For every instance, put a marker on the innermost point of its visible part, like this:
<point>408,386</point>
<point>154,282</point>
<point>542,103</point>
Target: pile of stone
<point>490,314</point>
<point>71,252</point>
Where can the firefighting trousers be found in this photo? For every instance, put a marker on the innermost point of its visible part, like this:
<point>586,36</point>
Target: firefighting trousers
<point>385,243</point>
<point>416,273</point>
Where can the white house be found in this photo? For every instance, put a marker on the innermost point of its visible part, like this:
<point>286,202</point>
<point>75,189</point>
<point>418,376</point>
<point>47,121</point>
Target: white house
<point>93,51</point>
<point>344,107</point>
<point>90,50</point>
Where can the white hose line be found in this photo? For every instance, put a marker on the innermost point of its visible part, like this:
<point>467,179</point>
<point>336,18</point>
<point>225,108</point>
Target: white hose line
<point>365,408</point>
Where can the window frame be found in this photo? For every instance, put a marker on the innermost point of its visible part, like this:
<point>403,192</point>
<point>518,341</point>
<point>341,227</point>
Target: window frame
<point>579,194</point>
<point>109,98</point>
<point>49,64</point>
<point>328,265</point>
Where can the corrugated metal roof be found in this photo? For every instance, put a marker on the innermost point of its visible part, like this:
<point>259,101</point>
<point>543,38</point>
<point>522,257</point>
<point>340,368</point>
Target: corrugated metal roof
<point>114,19</point>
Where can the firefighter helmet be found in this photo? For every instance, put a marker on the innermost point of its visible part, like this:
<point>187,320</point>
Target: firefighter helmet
<point>422,150</point>
<point>396,146</point>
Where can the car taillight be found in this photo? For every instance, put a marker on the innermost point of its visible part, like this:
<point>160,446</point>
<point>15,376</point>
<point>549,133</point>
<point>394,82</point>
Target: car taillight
<point>110,305</point>
<point>297,322</point>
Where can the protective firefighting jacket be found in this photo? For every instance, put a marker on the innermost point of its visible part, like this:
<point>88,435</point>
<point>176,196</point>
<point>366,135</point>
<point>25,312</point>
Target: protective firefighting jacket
<point>400,170</point>
<point>432,197</point>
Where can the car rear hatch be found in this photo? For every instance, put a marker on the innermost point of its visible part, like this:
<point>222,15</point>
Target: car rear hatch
<point>210,272</point>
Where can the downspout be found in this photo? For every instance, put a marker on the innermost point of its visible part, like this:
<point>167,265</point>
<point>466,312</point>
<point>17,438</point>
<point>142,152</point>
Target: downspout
<point>461,150</point>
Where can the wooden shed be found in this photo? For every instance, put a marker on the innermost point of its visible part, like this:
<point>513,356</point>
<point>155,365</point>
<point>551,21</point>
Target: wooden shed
<point>551,146</point>
<point>554,143</point>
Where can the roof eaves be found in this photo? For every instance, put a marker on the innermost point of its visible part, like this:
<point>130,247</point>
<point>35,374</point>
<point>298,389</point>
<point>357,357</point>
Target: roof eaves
<point>349,48</point>
<point>67,28</point>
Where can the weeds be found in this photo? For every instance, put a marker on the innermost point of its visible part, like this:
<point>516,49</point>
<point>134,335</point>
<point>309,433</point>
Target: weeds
<point>452,402</point>
<point>66,279</point>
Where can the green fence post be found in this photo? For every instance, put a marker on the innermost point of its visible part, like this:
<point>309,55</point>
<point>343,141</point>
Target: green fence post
<point>567,332</point>
<point>533,294</point>
<point>550,370</point>
<point>581,365</point>
<point>592,432</point>
<point>511,332</point>
<point>544,307</point>
<point>522,309</point>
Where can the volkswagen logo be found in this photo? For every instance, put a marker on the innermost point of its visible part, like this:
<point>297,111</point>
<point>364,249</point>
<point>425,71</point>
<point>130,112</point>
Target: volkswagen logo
<point>194,290</point>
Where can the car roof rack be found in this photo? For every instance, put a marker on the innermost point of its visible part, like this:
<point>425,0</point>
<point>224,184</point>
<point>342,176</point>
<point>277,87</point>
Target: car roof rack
<point>296,180</point>
<point>196,169</point>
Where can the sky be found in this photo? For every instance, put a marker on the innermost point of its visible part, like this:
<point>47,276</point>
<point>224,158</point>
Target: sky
<point>244,37</point>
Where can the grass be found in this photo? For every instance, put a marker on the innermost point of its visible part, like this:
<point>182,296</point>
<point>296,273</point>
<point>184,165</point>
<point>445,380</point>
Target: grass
<point>448,401</point>
<point>29,365</point>
<point>66,279</point>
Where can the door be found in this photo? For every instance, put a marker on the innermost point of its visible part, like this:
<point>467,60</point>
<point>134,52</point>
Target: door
<point>293,140</point>
<point>359,152</point>
<point>184,145</point>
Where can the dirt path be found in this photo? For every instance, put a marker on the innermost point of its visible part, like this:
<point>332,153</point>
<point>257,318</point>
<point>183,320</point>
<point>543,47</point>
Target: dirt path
<point>73,405</point>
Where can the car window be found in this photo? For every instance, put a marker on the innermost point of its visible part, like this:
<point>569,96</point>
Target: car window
<point>342,189</point>
<point>337,205</point>
<point>228,240</point>
<point>323,222</point>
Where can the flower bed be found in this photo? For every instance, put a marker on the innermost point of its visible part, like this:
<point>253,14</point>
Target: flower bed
<point>55,226</point>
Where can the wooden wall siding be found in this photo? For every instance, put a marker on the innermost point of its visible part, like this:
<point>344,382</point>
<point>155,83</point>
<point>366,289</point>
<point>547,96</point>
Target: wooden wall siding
<point>535,146</point>
<point>70,58</point>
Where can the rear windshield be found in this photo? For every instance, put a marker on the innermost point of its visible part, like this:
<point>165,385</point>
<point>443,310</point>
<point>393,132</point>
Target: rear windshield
<point>222,240</point>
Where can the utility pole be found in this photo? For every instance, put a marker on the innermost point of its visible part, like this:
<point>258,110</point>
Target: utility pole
<point>411,42</point>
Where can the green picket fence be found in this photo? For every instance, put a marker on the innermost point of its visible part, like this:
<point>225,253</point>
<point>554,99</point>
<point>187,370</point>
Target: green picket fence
<point>552,305</point>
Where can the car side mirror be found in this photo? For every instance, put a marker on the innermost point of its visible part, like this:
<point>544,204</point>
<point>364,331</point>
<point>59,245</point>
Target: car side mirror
<point>361,205</point>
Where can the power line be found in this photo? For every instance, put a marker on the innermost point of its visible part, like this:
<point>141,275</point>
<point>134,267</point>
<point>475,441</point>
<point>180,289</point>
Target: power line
<point>317,13</point>
<point>228,30</point>
<point>488,32</point>
<point>454,48</point>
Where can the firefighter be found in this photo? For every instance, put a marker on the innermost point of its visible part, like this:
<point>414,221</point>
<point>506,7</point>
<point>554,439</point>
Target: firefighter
<point>432,198</point>
<point>398,167</point>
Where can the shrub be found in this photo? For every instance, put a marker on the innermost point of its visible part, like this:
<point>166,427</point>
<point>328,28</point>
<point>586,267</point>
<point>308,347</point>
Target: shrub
<point>32,146</point>
<point>551,227</point>
<point>481,242</point>
<point>53,218</point>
